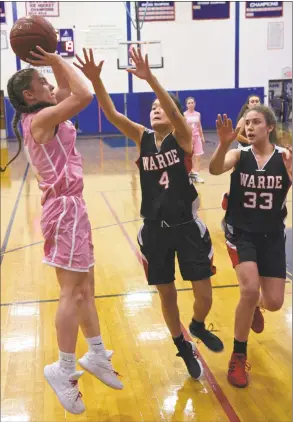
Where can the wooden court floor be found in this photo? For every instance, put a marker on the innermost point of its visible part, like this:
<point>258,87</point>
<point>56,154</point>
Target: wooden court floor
<point>156,384</point>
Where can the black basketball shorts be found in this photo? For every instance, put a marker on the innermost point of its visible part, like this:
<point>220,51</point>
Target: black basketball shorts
<point>190,241</point>
<point>266,249</point>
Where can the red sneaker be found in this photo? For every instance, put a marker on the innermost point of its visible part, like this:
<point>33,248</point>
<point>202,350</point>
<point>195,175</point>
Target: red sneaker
<point>237,374</point>
<point>258,323</point>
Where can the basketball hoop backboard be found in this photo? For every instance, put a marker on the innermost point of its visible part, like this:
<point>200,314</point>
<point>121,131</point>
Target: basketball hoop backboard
<point>152,48</point>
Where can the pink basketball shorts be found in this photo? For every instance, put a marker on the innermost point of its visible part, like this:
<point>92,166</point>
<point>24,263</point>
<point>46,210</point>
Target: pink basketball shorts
<point>67,233</point>
<point>197,145</point>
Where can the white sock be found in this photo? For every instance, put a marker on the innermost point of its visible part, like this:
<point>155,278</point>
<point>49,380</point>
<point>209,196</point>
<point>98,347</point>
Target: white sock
<point>67,362</point>
<point>96,344</point>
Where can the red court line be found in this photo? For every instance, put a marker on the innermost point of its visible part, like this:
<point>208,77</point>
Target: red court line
<point>223,400</point>
<point>119,223</point>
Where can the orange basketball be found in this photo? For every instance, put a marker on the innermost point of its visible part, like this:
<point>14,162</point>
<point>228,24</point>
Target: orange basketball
<point>30,31</point>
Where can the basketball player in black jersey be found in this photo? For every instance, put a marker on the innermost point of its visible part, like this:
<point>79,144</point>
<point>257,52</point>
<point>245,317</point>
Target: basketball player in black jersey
<point>169,207</point>
<point>254,224</point>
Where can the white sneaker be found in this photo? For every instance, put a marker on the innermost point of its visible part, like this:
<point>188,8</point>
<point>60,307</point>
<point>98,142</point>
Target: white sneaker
<point>65,387</point>
<point>109,354</point>
<point>198,179</point>
<point>99,365</point>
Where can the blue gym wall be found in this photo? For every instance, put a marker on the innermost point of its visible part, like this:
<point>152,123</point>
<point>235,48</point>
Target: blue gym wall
<point>208,102</point>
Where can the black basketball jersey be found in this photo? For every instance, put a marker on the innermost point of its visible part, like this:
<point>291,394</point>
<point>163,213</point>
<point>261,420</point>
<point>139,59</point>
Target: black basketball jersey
<point>167,191</point>
<point>257,199</point>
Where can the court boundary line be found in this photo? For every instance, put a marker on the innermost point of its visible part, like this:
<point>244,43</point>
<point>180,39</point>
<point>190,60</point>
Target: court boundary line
<point>289,274</point>
<point>12,216</point>
<point>220,395</point>
<point>95,228</point>
<point>140,292</point>
<point>41,241</point>
<point>2,253</point>
<point>113,295</point>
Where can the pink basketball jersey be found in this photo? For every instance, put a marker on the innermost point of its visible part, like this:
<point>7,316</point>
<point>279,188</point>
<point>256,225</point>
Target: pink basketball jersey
<point>56,164</point>
<point>193,120</point>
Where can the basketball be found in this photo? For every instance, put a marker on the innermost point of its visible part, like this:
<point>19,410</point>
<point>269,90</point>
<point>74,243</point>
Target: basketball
<point>30,31</point>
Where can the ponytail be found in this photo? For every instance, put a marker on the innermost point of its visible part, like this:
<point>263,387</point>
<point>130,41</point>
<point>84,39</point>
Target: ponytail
<point>19,82</point>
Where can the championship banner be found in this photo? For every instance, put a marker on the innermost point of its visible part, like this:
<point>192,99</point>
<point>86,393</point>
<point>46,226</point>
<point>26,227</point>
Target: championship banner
<point>263,9</point>
<point>204,10</point>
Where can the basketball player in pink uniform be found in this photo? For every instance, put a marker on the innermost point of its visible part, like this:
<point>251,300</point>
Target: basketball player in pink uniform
<point>49,142</point>
<point>193,120</point>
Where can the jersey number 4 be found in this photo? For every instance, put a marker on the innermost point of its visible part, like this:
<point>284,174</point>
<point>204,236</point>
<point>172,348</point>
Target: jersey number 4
<point>266,200</point>
<point>164,180</point>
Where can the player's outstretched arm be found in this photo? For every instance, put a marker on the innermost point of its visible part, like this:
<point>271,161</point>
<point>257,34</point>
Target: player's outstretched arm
<point>92,71</point>
<point>142,70</point>
<point>222,159</point>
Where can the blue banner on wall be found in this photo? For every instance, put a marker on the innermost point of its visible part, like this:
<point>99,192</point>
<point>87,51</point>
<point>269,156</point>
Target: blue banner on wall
<point>202,10</point>
<point>65,46</point>
<point>2,12</point>
<point>263,9</point>
<point>154,11</point>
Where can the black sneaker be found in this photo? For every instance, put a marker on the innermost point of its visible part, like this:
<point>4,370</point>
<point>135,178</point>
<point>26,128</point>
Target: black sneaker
<point>187,353</point>
<point>211,341</point>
